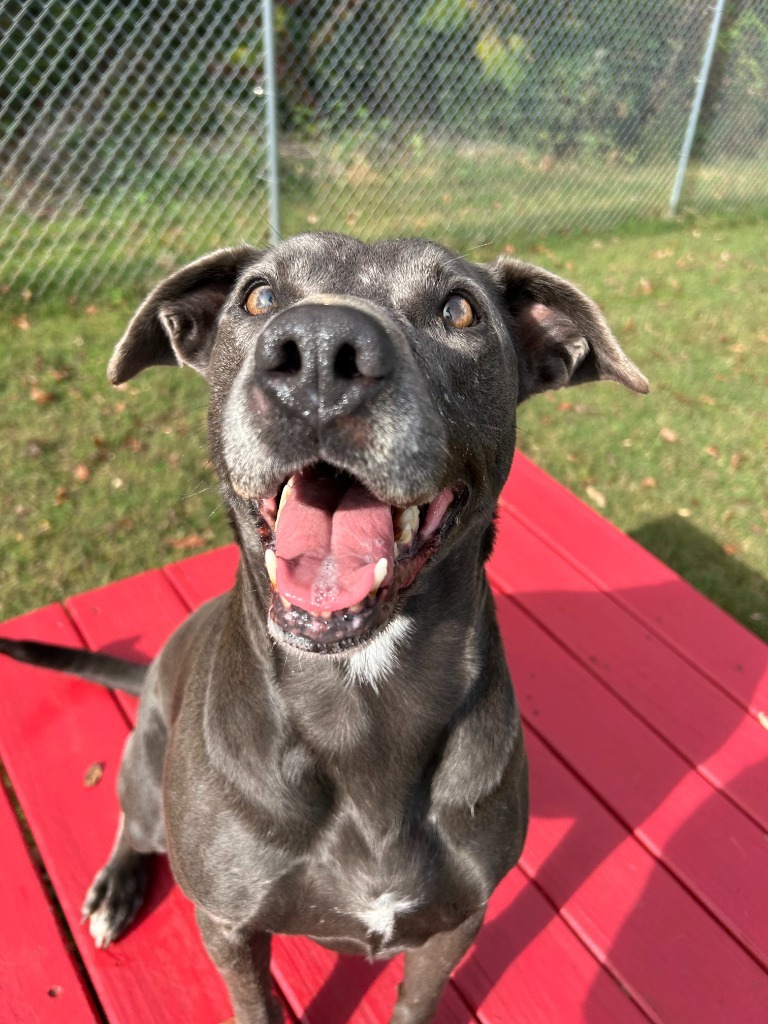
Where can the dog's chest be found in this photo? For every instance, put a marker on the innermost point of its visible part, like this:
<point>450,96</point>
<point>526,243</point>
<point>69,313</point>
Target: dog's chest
<point>363,890</point>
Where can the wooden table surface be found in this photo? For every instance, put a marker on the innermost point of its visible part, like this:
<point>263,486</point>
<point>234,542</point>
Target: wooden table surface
<point>642,893</point>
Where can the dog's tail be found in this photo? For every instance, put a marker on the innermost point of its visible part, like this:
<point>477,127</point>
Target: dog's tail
<point>114,673</point>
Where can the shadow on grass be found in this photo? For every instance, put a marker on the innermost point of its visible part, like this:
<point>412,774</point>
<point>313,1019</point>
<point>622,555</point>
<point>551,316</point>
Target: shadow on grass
<point>700,560</point>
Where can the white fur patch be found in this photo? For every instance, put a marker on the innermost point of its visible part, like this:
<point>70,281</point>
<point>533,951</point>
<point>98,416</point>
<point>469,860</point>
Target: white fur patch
<point>379,916</point>
<point>100,927</point>
<point>372,664</point>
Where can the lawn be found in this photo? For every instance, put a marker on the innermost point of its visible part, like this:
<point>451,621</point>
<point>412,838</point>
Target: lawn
<point>101,483</point>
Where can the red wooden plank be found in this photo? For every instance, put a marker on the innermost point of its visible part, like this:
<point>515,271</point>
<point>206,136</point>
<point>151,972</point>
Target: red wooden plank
<point>205,576</point>
<point>732,658</point>
<point>39,982</point>
<point>52,729</point>
<point>668,952</point>
<point>715,734</point>
<point>328,989</point>
<point>709,844</point>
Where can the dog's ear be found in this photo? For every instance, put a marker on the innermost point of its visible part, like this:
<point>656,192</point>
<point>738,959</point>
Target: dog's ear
<point>561,335</point>
<point>176,322</point>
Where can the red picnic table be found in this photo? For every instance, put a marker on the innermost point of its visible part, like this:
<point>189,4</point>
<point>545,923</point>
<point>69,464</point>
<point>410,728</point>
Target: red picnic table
<point>642,893</point>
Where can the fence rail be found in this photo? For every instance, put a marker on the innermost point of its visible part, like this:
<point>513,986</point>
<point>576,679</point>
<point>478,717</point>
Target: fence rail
<point>135,135</point>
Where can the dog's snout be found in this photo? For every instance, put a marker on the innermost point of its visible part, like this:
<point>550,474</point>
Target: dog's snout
<point>322,361</point>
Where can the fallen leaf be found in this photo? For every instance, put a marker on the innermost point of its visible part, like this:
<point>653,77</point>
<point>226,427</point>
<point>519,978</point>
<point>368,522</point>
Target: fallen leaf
<point>711,450</point>
<point>40,396</point>
<point>738,348</point>
<point>736,460</point>
<point>81,473</point>
<point>707,400</point>
<point>60,375</point>
<point>595,496</point>
<point>90,310</point>
<point>730,549</point>
<point>60,496</point>
<point>26,294</point>
<point>312,218</point>
<point>194,540</point>
<point>666,434</point>
<point>645,286</point>
<point>22,322</point>
<point>565,406</point>
<point>94,774</point>
<point>649,481</point>
<point>684,513</point>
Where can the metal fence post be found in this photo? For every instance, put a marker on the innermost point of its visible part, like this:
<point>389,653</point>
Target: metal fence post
<point>693,120</point>
<point>270,88</point>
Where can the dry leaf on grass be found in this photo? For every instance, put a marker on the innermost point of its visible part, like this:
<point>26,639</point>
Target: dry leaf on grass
<point>81,473</point>
<point>194,540</point>
<point>595,496</point>
<point>669,435</point>
<point>22,322</point>
<point>41,397</point>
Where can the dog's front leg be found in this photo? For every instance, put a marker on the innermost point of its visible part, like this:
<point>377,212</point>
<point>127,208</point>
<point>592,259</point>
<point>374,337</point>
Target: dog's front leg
<point>242,957</point>
<point>427,970</point>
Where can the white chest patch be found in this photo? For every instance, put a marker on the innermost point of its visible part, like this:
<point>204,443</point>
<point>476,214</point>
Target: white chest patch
<point>374,663</point>
<point>379,916</point>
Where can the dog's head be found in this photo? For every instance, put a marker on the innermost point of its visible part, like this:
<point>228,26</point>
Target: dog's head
<point>362,413</point>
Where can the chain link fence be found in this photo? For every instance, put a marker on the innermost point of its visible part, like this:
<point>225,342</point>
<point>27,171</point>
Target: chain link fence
<point>134,135</point>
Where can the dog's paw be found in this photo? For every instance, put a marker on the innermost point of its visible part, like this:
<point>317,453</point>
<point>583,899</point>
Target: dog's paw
<point>114,899</point>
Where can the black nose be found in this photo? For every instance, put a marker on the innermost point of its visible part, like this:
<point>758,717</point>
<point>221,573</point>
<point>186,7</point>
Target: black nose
<point>322,361</point>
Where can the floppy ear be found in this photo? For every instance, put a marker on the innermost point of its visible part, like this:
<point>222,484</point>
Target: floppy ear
<point>561,336</point>
<point>176,323</point>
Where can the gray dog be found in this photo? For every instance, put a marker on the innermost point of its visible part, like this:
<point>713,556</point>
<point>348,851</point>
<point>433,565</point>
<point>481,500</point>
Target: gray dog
<point>333,748</point>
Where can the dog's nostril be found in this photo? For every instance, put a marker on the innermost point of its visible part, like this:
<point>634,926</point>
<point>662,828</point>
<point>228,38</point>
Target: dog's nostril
<point>290,358</point>
<point>345,365</point>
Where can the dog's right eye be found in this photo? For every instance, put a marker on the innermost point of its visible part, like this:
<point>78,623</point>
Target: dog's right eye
<point>260,300</point>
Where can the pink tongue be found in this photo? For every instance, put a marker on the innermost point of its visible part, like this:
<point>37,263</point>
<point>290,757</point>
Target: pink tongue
<point>329,537</point>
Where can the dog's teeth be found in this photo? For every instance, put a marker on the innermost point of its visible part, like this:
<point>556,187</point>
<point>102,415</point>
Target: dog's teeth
<point>356,607</point>
<point>407,517</point>
<point>271,559</point>
<point>406,536</point>
<point>284,496</point>
<point>378,576</point>
<point>286,604</point>
<point>395,551</point>
<point>326,615</point>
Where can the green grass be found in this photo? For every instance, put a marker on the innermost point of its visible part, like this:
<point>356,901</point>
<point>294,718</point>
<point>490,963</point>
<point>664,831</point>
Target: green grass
<point>686,303</point>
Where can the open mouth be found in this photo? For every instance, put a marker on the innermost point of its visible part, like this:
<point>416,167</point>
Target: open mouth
<point>338,557</point>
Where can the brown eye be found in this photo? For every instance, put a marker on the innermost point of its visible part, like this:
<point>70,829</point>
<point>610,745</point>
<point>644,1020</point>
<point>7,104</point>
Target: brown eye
<point>457,312</point>
<point>260,301</point>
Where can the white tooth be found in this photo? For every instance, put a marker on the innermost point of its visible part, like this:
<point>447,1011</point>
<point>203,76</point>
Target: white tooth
<point>395,551</point>
<point>326,615</point>
<point>271,559</point>
<point>408,517</point>
<point>285,604</point>
<point>356,607</point>
<point>378,574</point>
<point>286,491</point>
<point>406,535</point>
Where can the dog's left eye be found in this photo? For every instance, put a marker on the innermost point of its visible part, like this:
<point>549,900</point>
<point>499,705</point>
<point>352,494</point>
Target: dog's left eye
<point>458,312</point>
<point>260,300</point>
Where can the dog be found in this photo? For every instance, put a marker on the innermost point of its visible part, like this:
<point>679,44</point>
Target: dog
<point>333,747</point>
